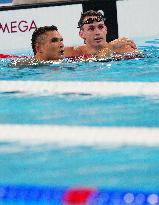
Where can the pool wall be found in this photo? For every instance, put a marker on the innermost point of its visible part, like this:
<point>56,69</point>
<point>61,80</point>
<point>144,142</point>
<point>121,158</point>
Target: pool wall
<point>131,18</point>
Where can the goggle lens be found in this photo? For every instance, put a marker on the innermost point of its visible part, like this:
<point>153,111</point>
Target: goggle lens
<point>92,20</point>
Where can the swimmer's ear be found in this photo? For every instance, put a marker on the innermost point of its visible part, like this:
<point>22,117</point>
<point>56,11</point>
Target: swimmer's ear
<point>81,34</point>
<point>38,47</point>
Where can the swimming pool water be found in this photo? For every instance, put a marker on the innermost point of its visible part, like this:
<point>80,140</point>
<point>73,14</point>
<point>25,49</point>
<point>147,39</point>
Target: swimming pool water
<point>132,168</point>
<point>125,70</point>
<point>140,69</point>
<point>81,110</point>
<point>124,167</point>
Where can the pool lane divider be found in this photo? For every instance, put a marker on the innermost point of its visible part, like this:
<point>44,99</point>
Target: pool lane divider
<point>79,135</point>
<point>79,87</point>
<point>11,56</point>
<point>74,196</point>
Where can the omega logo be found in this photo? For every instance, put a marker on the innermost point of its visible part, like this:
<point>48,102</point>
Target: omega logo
<point>15,26</point>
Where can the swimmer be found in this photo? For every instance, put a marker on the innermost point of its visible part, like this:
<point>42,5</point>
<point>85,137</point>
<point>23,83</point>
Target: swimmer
<point>93,31</point>
<point>47,45</point>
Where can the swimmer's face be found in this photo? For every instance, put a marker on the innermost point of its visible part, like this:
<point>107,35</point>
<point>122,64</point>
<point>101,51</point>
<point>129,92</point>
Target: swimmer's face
<point>93,33</point>
<point>52,46</point>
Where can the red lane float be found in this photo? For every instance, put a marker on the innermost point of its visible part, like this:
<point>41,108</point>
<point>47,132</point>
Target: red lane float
<point>7,56</point>
<point>26,194</point>
<point>78,196</point>
<point>11,56</point>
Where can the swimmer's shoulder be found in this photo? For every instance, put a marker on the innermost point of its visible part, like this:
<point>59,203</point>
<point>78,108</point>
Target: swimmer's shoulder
<point>76,51</point>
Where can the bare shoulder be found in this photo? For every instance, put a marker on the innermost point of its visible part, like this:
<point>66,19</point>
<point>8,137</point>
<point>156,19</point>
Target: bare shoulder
<point>75,51</point>
<point>68,51</point>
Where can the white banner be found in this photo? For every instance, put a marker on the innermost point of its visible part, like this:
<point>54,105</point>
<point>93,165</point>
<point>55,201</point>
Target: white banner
<point>17,26</point>
<point>138,18</point>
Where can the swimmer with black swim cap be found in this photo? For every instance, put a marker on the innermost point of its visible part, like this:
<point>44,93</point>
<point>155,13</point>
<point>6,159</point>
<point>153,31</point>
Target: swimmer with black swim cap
<point>93,31</point>
<point>47,45</point>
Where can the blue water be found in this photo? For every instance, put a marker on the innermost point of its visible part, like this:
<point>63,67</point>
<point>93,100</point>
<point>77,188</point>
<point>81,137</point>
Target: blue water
<point>121,168</point>
<point>5,1</point>
<point>140,69</point>
<point>71,109</point>
<point>125,70</point>
<point>126,167</point>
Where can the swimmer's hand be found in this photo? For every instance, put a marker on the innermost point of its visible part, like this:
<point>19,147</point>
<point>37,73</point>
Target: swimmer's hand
<point>123,45</point>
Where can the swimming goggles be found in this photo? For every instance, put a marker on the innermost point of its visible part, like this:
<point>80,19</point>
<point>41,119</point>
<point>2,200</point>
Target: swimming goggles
<point>91,20</point>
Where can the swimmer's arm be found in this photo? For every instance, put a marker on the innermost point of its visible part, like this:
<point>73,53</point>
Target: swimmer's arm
<point>124,45</point>
<point>122,42</point>
<point>74,51</point>
<point>68,51</point>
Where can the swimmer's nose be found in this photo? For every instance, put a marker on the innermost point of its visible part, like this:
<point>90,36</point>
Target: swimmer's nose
<point>61,44</point>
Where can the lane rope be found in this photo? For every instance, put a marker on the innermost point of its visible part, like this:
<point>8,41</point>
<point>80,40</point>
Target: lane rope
<point>76,196</point>
<point>78,87</point>
<point>80,135</point>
